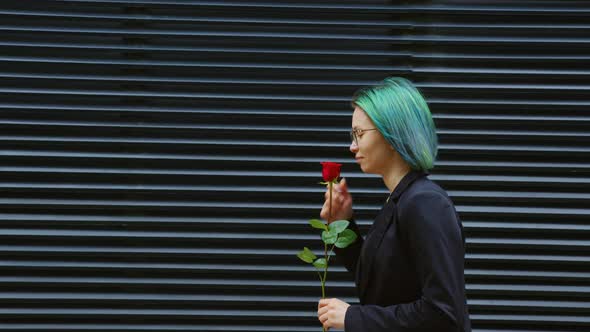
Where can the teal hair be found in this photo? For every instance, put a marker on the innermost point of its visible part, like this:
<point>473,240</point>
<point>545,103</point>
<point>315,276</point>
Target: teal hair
<point>401,114</point>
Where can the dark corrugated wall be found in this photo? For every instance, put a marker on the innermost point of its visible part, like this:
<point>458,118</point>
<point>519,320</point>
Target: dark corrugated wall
<point>160,159</point>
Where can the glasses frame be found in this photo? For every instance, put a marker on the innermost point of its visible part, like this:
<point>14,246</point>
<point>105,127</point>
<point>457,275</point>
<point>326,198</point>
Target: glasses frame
<point>354,133</point>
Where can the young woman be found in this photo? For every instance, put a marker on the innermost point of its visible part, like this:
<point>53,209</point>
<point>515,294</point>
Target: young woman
<point>409,269</point>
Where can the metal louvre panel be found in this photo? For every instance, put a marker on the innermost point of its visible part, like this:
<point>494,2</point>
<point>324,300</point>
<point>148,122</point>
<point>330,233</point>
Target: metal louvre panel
<point>160,159</point>
<point>509,85</point>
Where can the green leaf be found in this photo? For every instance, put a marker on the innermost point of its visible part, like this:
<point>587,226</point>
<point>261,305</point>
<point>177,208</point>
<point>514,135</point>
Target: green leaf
<point>345,239</point>
<point>316,223</point>
<point>329,237</point>
<point>338,226</point>
<point>320,263</point>
<point>306,255</point>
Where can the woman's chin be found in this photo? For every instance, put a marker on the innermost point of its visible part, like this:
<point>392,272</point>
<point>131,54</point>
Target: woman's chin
<point>365,169</point>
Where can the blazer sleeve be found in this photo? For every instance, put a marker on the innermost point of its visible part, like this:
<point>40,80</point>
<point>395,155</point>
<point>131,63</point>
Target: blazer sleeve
<point>430,226</point>
<point>349,256</point>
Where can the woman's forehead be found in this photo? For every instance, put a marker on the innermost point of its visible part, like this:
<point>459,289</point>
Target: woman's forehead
<point>360,118</point>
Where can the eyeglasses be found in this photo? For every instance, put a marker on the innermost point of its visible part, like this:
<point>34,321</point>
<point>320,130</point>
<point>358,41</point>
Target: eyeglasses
<point>354,134</point>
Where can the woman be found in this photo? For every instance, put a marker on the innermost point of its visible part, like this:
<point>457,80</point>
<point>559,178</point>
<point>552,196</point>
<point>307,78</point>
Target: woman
<point>409,268</point>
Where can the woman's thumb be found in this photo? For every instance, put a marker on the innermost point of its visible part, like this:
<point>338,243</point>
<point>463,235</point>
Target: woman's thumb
<point>343,186</point>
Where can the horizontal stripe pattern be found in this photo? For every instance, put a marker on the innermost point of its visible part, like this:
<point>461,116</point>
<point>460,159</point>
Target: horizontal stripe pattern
<point>160,158</point>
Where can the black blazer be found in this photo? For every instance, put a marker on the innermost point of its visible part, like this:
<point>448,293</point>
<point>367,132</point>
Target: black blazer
<point>409,268</point>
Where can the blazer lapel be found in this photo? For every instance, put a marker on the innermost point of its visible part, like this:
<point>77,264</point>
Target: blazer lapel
<point>371,244</point>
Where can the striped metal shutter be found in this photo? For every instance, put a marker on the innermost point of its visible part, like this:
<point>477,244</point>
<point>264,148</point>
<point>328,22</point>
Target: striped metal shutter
<point>160,159</point>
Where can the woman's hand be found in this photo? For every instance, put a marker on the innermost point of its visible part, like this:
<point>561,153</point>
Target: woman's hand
<point>331,313</point>
<point>341,203</point>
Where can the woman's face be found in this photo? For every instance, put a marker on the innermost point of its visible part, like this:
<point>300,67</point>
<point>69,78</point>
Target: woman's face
<point>373,153</point>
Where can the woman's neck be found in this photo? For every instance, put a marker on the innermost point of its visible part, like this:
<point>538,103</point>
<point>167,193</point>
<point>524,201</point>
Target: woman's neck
<point>395,175</point>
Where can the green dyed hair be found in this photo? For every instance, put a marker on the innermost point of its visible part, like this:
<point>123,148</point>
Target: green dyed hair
<point>401,114</point>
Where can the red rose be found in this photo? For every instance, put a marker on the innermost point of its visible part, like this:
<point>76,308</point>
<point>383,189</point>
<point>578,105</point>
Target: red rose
<point>330,171</point>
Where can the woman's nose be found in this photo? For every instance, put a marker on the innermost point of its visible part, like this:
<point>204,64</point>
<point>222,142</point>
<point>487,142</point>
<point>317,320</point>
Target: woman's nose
<point>353,147</point>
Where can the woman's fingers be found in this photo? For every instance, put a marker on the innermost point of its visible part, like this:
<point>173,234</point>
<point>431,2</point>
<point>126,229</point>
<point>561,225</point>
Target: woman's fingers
<point>323,311</point>
<point>336,196</point>
<point>332,312</point>
<point>338,212</point>
<point>341,207</point>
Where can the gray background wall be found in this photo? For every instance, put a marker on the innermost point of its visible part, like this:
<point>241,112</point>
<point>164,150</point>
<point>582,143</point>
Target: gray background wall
<point>160,159</point>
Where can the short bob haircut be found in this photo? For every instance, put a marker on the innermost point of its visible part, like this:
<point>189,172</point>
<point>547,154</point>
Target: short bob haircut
<point>401,114</point>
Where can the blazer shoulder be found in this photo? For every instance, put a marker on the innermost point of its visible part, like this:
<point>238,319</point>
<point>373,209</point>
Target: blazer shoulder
<point>422,187</point>
<point>423,195</point>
